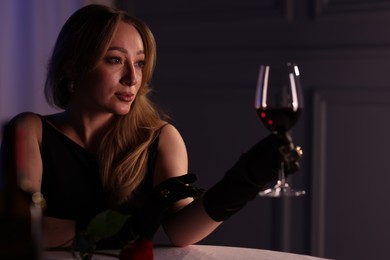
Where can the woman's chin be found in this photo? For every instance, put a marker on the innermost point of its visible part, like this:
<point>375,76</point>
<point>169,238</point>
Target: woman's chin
<point>122,111</point>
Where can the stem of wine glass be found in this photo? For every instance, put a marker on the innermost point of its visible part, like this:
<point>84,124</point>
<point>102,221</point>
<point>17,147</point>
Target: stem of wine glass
<point>282,177</point>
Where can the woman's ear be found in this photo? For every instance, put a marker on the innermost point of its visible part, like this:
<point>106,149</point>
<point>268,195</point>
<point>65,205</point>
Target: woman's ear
<point>69,70</point>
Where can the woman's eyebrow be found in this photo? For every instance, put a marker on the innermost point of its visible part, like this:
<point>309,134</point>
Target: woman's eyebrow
<point>123,50</point>
<point>114,48</point>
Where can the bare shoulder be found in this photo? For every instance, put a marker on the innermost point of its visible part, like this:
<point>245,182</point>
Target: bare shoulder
<point>27,130</point>
<point>28,122</point>
<point>172,154</point>
<point>169,136</point>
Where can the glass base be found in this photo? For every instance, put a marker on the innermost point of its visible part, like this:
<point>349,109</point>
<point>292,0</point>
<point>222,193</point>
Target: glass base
<point>281,190</point>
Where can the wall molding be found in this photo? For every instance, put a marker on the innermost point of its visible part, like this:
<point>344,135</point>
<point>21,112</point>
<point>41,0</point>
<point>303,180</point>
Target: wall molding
<point>318,190</point>
<point>217,10</point>
<point>327,7</point>
<point>323,100</point>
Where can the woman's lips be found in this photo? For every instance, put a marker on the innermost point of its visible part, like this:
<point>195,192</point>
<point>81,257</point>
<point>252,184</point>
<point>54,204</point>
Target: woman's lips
<point>125,97</point>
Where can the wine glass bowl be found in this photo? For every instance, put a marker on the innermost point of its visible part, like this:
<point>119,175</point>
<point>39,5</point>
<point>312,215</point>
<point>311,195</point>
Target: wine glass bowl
<point>279,104</point>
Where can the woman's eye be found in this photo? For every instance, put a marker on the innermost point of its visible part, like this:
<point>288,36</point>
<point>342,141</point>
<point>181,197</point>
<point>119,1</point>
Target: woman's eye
<point>140,64</point>
<point>115,60</point>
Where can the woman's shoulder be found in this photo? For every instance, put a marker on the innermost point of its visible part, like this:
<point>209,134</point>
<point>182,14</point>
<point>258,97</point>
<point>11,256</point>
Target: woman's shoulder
<point>167,130</point>
<point>27,125</point>
<point>170,137</point>
<point>31,118</point>
<point>172,154</point>
<point>25,119</point>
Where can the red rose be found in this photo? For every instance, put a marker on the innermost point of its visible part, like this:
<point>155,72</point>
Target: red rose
<point>137,250</point>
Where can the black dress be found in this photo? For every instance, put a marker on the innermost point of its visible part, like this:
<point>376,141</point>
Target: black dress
<point>71,183</point>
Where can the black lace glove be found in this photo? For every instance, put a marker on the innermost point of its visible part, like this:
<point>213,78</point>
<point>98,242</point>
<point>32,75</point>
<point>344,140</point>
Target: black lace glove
<point>175,189</point>
<point>250,174</point>
<point>162,197</point>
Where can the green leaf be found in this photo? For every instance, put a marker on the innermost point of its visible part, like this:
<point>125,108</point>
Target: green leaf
<point>106,224</point>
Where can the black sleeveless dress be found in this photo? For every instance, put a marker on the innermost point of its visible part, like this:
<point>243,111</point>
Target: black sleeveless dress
<point>71,183</point>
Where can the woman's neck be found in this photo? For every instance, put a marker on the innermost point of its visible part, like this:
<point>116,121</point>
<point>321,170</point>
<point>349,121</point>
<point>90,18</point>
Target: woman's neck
<point>84,129</point>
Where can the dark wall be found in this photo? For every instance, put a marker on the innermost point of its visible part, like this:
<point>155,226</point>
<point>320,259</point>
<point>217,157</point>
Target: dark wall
<point>208,59</point>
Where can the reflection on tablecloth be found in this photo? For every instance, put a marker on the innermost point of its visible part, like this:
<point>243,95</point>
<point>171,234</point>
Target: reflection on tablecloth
<point>197,252</point>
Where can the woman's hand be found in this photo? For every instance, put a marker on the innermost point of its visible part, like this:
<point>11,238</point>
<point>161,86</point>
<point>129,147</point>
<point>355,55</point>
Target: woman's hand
<point>250,174</point>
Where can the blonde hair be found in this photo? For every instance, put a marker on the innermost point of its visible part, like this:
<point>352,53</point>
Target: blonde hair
<point>82,42</point>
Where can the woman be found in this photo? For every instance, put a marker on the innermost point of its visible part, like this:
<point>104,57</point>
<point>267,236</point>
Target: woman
<point>110,147</point>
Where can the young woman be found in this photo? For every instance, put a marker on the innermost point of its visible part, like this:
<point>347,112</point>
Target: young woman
<point>110,147</point>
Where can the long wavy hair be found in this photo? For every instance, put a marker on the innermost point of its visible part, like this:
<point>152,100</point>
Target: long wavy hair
<point>82,42</point>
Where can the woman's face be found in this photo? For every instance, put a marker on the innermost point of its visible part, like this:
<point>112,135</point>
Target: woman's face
<point>113,85</point>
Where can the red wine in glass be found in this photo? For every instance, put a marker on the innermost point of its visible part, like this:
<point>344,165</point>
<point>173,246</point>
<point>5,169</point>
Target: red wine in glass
<point>278,119</point>
<point>279,104</point>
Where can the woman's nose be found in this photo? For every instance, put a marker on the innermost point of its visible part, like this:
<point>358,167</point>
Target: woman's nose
<point>129,77</point>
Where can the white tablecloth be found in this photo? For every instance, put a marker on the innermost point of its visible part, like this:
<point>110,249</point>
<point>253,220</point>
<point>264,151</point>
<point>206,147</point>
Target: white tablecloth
<point>200,252</point>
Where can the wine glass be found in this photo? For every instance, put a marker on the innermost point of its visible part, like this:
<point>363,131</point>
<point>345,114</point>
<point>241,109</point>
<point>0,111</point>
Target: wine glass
<point>279,103</point>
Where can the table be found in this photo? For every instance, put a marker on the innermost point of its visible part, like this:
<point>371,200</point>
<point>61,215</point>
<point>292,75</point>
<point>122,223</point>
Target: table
<point>199,252</point>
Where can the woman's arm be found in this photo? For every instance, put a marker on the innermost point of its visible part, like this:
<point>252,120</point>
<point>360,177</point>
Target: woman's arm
<point>192,222</point>
<point>189,223</point>
<point>27,130</point>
